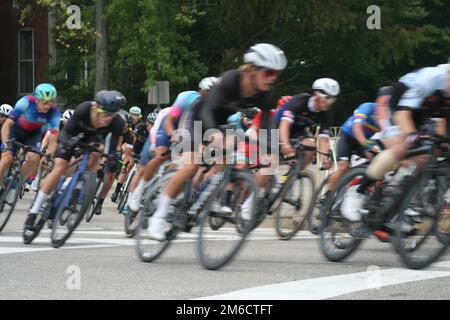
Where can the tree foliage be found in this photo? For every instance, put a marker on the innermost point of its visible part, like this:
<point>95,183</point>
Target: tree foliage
<point>185,40</point>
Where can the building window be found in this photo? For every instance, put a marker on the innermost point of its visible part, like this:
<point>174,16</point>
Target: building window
<point>26,61</point>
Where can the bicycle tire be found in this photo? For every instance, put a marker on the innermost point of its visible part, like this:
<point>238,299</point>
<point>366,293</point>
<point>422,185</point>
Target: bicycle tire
<point>30,235</point>
<point>407,254</point>
<point>330,217</point>
<point>88,186</point>
<point>131,217</point>
<point>313,217</point>
<point>205,260</point>
<point>5,216</point>
<point>298,222</point>
<point>124,193</point>
<point>98,191</point>
<point>148,210</point>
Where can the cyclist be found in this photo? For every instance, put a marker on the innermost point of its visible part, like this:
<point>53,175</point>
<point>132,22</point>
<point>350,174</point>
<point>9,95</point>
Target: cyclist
<point>183,102</point>
<point>248,87</point>
<point>421,94</point>
<point>49,149</point>
<point>355,139</point>
<point>126,148</point>
<point>136,115</point>
<point>140,131</point>
<point>95,119</point>
<point>153,122</point>
<point>5,110</point>
<point>25,124</point>
<point>316,107</point>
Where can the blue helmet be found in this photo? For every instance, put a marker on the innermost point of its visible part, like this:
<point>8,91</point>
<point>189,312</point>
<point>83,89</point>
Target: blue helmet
<point>45,92</point>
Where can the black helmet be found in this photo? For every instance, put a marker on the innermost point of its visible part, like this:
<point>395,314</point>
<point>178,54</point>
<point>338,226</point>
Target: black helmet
<point>385,91</point>
<point>110,101</point>
<point>250,113</point>
<point>126,117</point>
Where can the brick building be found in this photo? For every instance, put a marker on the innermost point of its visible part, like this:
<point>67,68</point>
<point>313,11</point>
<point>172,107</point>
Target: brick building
<point>24,56</point>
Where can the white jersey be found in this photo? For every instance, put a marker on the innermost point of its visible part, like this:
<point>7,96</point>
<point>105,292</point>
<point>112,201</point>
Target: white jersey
<point>159,119</point>
<point>422,85</point>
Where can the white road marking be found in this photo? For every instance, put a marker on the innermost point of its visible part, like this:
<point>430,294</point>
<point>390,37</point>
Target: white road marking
<point>329,287</point>
<point>11,250</point>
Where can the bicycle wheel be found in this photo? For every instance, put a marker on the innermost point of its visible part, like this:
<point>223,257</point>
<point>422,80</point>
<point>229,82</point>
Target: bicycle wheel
<point>29,235</point>
<point>8,199</point>
<point>217,247</point>
<point>22,192</point>
<point>418,236</point>
<point>69,217</point>
<point>313,217</point>
<point>149,249</point>
<point>123,195</point>
<point>98,191</point>
<point>131,223</point>
<point>291,213</point>
<point>336,240</point>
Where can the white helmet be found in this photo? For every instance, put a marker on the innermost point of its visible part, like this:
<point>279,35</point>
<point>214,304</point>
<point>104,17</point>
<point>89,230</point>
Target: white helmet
<point>136,111</point>
<point>67,115</point>
<point>5,109</point>
<point>266,56</point>
<point>207,83</point>
<point>327,86</point>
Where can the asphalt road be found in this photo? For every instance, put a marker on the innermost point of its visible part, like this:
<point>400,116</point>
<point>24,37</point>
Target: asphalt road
<point>100,263</point>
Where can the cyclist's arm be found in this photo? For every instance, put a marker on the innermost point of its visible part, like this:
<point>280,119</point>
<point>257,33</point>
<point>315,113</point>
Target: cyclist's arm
<point>441,127</point>
<point>358,132</point>
<point>285,131</point>
<point>169,124</point>
<point>52,142</point>
<point>15,114</point>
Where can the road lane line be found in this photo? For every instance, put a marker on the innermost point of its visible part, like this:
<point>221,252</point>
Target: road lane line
<point>329,287</point>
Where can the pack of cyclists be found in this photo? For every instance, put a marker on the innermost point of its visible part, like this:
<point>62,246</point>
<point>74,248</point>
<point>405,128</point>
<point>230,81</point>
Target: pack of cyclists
<point>243,97</point>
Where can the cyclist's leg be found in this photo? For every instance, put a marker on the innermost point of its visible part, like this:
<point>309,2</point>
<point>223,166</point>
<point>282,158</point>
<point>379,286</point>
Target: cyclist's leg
<point>162,146</point>
<point>187,171</point>
<point>49,183</point>
<point>174,187</point>
<point>7,158</point>
<point>5,163</point>
<point>345,148</point>
<point>308,155</point>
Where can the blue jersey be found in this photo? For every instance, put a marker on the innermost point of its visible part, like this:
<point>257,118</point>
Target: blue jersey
<point>183,102</point>
<point>365,115</point>
<point>27,117</point>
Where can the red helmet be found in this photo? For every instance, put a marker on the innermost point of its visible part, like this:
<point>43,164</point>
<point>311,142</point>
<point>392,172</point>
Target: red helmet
<point>283,101</point>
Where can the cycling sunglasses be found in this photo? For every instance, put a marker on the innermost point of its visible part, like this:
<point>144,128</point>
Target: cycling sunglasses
<point>270,72</point>
<point>106,113</point>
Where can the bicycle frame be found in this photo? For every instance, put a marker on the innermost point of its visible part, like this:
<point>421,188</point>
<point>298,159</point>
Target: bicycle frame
<point>82,166</point>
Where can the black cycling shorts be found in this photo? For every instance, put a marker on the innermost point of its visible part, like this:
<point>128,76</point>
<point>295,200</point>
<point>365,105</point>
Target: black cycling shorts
<point>63,151</point>
<point>348,146</point>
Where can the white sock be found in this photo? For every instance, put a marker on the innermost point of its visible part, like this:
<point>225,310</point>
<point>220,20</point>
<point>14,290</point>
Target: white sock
<point>140,188</point>
<point>40,198</point>
<point>249,201</point>
<point>163,207</point>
